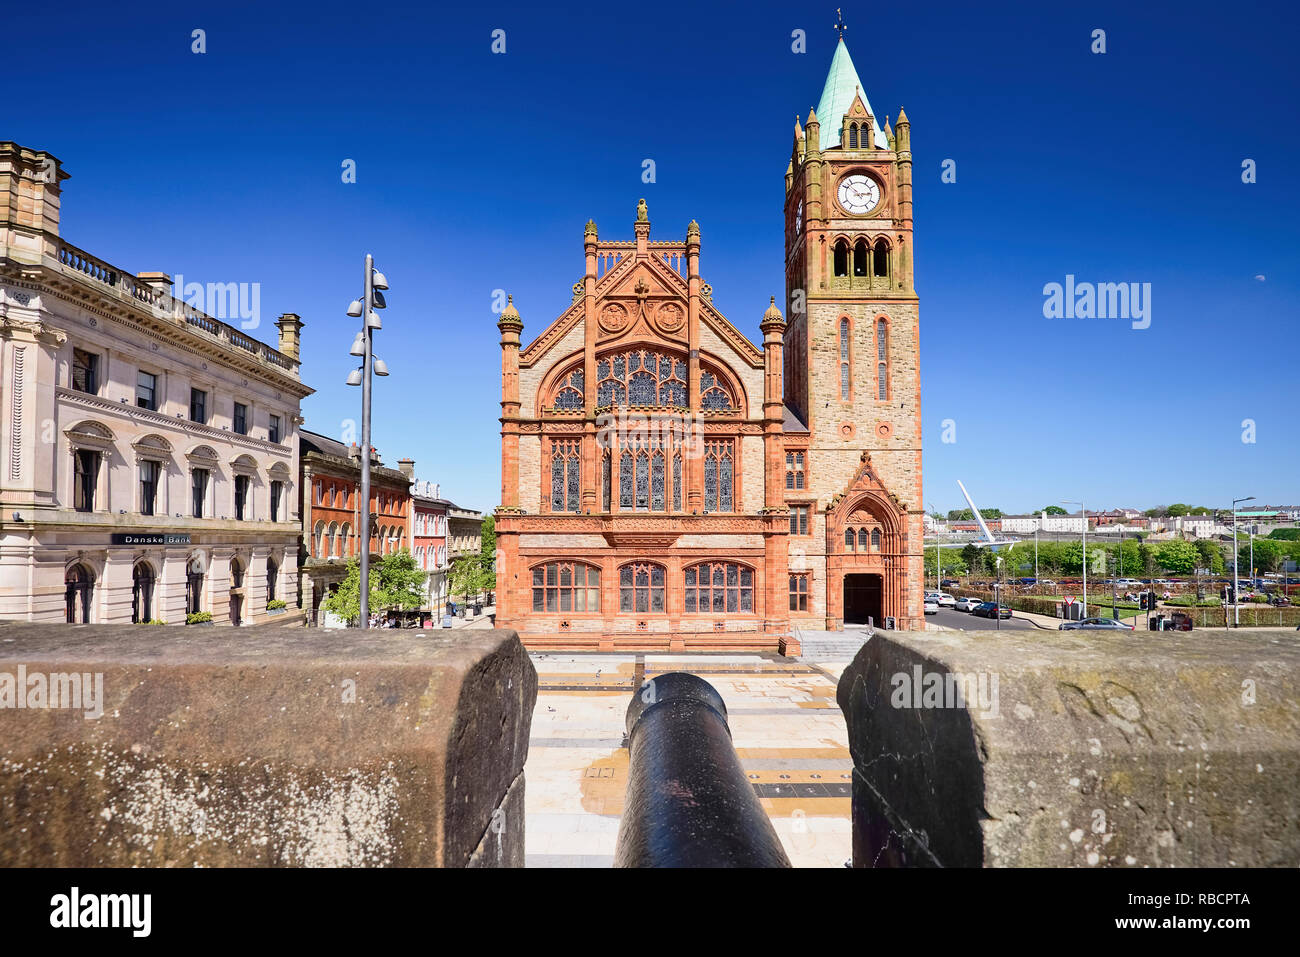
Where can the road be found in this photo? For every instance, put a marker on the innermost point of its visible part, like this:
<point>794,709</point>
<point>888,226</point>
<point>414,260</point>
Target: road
<point>965,621</point>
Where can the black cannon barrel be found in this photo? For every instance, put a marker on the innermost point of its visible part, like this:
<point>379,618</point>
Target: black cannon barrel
<point>688,801</point>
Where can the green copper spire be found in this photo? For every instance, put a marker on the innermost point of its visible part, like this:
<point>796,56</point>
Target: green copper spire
<point>842,84</point>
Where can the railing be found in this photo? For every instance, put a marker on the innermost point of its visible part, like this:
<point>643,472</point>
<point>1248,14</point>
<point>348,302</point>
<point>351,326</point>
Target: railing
<point>166,304</point>
<point>688,802</point>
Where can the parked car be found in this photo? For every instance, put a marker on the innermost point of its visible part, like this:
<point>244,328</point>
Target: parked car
<point>967,604</point>
<point>946,600</point>
<point>1046,582</point>
<point>1095,624</point>
<point>989,609</point>
<point>949,583</point>
<point>931,607</point>
<point>1178,621</point>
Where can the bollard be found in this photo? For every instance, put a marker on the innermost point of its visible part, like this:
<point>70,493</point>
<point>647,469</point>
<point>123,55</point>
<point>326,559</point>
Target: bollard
<point>688,802</point>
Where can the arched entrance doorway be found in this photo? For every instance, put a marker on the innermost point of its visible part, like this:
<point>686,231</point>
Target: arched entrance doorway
<point>236,592</point>
<point>142,583</point>
<point>864,599</point>
<point>80,588</point>
<point>194,585</point>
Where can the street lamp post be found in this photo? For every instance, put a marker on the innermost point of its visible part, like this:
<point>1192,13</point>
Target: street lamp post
<point>363,347</point>
<point>1083,510</point>
<point>1236,559</point>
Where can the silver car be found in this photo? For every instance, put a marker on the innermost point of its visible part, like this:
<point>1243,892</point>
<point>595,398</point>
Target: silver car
<point>1095,624</point>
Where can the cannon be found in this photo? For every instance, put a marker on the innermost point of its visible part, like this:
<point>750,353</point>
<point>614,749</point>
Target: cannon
<point>688,802</point>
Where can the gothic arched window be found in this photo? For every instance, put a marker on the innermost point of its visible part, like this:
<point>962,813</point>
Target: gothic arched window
<point>875,539</point>
<point>713,394</point>
<point>641,588</point>
<point>849,538</point>
<point>718,475</point>
<point>882,258</point>
<point>566,586</point>
<point>641,379</point>
<point>861,258</point>
<point>842,257</point>
<point>853,136</point>
<point>718,587</point>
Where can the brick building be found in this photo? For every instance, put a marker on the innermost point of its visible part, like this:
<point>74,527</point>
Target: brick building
<point>429,541</point>
<point>667,484</point>
<point>330,505</point>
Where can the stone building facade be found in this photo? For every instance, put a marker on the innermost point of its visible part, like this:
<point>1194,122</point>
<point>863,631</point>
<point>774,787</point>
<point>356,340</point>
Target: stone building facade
<point>147,449</point>
<point>669,485</point>
<point>429,539</point>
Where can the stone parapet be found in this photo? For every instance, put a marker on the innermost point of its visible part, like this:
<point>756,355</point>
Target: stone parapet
<point>277,747</point>
<point>1075,749</point>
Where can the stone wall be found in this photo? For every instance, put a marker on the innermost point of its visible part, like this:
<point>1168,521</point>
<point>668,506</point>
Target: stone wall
<point>266,747</point>
<point>1141,749</point>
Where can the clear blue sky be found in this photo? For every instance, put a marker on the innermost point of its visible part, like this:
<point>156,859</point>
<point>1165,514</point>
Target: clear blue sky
<point>477,172</point>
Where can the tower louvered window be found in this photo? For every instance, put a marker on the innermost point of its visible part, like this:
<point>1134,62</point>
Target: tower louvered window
<point>882,359</point>
<point>844,359</point>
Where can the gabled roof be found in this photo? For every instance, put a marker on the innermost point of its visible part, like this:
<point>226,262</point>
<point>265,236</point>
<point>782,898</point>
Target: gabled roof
<point>842,85</point>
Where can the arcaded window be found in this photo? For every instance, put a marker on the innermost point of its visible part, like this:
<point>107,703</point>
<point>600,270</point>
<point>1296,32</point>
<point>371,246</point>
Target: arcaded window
<point>641,588</point>
<point>842,257</point>
<point>714,394</point>
<point>853,136</point>
<point>882,258</point>
<point>569,393</point>
<point>718,587</point>
<point>566,586</point>
<point>861,258</point>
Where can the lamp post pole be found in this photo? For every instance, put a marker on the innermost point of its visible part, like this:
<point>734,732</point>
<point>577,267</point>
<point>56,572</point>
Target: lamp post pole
<point>367,303</point>
<point>1083,510</point>
<point>1236,560</point>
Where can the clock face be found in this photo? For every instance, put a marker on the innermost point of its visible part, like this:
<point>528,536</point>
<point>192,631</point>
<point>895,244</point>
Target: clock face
<point>858,194</point>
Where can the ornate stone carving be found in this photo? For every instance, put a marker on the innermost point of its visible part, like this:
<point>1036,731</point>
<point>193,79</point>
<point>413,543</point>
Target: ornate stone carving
<point>579,290</point>
<point>614,317</point>
<point>670,316</point>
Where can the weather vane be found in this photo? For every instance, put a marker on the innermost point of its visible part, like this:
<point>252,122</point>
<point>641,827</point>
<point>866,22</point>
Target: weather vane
<point>839,22</point>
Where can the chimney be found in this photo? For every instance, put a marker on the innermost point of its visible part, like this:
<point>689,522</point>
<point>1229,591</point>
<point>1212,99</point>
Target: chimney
<point>354,451</point>
<point>290,334</point>
<point>159,281</point>
<point>407,468</point>
<point>29,199</point>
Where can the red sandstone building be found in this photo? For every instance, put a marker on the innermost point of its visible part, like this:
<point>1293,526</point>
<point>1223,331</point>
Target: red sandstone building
<point>669,485</point>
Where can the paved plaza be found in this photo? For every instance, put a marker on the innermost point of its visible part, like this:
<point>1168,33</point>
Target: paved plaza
<point>787,729</point>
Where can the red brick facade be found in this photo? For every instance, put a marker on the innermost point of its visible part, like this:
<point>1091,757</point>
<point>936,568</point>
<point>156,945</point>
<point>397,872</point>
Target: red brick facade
<point>668,485</point>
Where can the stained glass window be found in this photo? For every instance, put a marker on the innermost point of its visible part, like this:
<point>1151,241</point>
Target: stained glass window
<point>718,475</point>
<point>565,486</point>
<point>605,482</point>
<point>677,482</point>
<point>641,379</point>
<point>657,482</point>
<point>641,588</point>
<point>642,481</point>
<point>625,480</point>
<point>718,588</point>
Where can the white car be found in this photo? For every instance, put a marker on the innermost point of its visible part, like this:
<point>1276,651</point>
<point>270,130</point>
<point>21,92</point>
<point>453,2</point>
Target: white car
<point>931,607</point>
<point>967,604</point>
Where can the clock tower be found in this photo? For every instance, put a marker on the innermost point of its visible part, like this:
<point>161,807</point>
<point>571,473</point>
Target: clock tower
<point>851,356</point>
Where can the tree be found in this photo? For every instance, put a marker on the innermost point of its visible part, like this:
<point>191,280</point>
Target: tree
<point>1211,555</point>
<point>1285,534</point>
<point>1177,556</point>
<point>1055,510</point>
<point>960,515</point>
<point>488,554</point>
<point>1268,555</point>
<point>396,582</point>
<point>1154,512</point>
<point>1199,510</point>
<point>469,575</point>
<point>971,556</point>
<point>1174,511</point>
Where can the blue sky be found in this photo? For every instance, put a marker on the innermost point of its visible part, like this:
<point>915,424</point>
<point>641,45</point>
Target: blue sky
<point>477,172</point>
